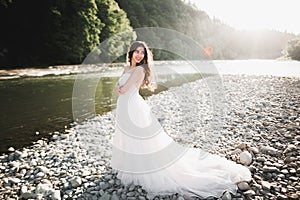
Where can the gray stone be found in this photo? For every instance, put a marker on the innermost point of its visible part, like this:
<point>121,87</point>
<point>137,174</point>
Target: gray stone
<point>76,181</point>
<point>226,196</point>
<point>254,150</point>
<point>266,185</point>
<point>114,197</point>
<point>28,195</point>
<point>245,158</point>
<point>270,169</point>
<point>249,193</point>
<point>243,186</point>
<point>56,195</point>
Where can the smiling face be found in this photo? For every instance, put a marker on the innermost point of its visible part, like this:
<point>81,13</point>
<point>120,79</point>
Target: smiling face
<point>138,55</point>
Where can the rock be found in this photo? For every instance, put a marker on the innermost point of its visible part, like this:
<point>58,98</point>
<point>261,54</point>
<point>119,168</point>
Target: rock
<point>243,186</point>
<point>266,185</point>
<point>261,159</point>
<point>43,169</point>
<point>270,169</point>
<point>28,195</point>
<point>245,158</point>
<point>14,180</point>
<point>114,197</point>
<point>75,182</point>
<point>242,146</point>
<point>24,189</point>
<point>86,173</point>
<point>249,193</point>
<point>11,149</point>
<point>130,194</point>
<point>281,197</point>
<point>269,150</point>
<point>40,174</point>
<point>254,150</point>
<point>226,196</point>
<point>56,195</point>
<point>43,188</point>
<point>290,148</point>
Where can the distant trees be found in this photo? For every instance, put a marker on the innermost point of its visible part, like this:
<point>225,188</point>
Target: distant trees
<point>227,42</point>
<point>53,32</point>
<point>293,49</point>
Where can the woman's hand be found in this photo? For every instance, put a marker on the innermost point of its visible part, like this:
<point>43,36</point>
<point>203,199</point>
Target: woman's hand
<point>118,89</point>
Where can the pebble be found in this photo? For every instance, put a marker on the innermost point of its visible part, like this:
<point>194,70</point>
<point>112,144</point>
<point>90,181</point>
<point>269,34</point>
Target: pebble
<point>245,158</point>
<point>258,130</point>
<point>243,186</point>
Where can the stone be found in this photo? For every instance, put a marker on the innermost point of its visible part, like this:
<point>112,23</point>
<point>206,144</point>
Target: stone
<point>226,196</point>
<point>243,186</point>
<point>114,197</point>
<point>56,195</point>
<point>28,195</point>
<point>254,150</point>
<point>266,185</point>
<point>130,194</point>
<point>14,180</point>
<point>270,169</point>
<point>249,193</point>
<point>290,148</point>
<point>269,150</point>
<point>11,149</point>
<point>43,188</point>
<point>281,197</point>
<point>245,158</point>
<point>75,182</point>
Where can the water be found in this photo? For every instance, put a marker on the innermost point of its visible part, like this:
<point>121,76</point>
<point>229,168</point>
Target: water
<point>33,108</point>
<point>44,104</point>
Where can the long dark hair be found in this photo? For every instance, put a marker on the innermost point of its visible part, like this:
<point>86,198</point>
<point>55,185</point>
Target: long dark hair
<point>147,60</point>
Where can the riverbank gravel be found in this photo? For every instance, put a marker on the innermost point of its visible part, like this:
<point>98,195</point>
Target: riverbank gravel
<point>255,122</point>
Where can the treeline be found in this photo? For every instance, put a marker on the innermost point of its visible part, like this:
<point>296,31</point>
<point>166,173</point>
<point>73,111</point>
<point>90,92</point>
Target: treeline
<point>54,32</point>
<point>226,42</point>
<point>293,49</point>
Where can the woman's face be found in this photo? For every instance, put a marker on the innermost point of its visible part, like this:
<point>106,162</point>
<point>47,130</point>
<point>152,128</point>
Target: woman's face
<point>138,55</point>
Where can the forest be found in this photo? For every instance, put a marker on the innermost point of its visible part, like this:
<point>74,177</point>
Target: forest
<point>40,33</point>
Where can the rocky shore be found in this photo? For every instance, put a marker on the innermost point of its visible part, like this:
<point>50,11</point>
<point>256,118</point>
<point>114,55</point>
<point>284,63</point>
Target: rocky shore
<point>260,129</point>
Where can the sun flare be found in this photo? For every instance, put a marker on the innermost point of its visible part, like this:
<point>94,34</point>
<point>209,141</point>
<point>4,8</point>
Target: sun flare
<point>255,14</point>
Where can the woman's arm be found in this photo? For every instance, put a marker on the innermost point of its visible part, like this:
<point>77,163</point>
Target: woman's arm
<point>136,76</point>
<point>117,86</point>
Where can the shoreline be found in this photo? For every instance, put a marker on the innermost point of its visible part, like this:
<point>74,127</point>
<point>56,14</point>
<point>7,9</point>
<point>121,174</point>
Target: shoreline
<point>260,129</point>
<point>223,67</point>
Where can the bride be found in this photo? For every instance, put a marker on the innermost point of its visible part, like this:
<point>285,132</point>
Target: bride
<point>143,154</point>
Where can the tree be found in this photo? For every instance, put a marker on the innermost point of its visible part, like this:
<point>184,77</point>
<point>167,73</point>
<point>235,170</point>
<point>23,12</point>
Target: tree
<point>74,30</point>
<point>293,49</point>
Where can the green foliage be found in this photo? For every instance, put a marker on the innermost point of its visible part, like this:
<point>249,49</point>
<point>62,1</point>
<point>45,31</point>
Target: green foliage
<point>5,3</point>
<point>74,30</point>
<point>293,49</point>
<point>227,42</point>
<point>116,29</point>
<point>53,32</point>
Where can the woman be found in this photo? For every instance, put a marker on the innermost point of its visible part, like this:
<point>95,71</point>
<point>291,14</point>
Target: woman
<point>143,154</point>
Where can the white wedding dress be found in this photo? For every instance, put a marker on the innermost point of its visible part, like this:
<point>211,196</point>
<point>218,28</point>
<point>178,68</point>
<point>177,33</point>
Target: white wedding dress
<point>143,154</point>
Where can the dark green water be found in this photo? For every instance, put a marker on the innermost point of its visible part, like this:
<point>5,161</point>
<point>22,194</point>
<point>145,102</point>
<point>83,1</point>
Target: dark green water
<point>44,105</point>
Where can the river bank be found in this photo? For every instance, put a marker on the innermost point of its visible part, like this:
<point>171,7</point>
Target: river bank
<point>260,129</point>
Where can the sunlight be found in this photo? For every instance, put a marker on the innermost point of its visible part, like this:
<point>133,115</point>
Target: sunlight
<point>254,15</point>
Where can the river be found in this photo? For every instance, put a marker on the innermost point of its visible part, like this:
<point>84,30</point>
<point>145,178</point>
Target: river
<point>34,106</point>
